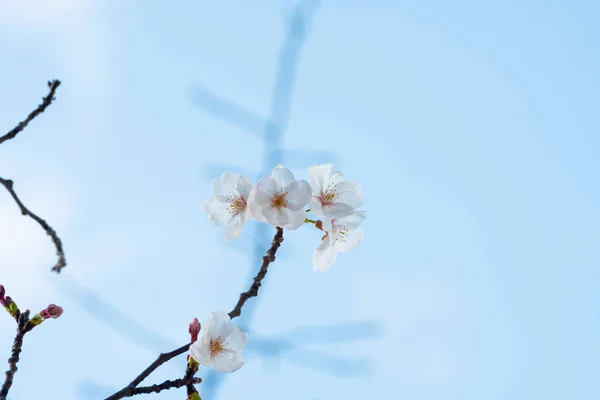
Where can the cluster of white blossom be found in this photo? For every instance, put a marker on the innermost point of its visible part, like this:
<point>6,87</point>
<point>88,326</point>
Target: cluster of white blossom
<point>282,201</point>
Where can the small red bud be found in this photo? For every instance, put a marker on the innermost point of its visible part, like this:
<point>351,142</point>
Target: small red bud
<point>52,311</point>
<point>194,329</point>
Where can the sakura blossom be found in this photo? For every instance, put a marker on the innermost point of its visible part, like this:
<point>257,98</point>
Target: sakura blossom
<point>332,195</point>
<point>279,199</point>
<point>229,206</point>
<point>342,235</point>
<point>220,343</point>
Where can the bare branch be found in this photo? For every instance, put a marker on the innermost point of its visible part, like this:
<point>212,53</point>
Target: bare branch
<point>53,85</point>
<point>62,262</point>
<point>253,291</point>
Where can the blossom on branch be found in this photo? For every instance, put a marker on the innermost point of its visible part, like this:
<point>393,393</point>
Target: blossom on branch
<point>220,343</point>
<point>230,205</point>
<point>280,199</point>
<point>332,196</point>
<point>342,234</point>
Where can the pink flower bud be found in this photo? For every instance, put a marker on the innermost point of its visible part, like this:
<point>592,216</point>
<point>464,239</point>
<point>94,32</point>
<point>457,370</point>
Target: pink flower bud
<point>52,311</point>
<point>194,329</point>
<point>2,293</point>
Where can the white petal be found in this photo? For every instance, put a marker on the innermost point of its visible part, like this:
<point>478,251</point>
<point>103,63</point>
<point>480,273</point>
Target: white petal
<point>349,193</point>
<point>236,341</point>
<point>218,212</point>
<point>318,175</point>
<point>245,216</point>
<point>351,221</point>
<point>228,361</point>
<point>200,351</point>
<point>270,214</point>
<point>337,210</point>
<point>275,216</point>
<point>230,178</point>
<point>266,188</point>
<point>244,186</point>
<point>226,185</point>
<point>283,217</point>
<point>298,195</point>
<point>282,176</point>
<point>296,220</point>
<point>316,207</point>
<point>255,208</point>
<point>327,224</point>
<point>348,240</point>
<point>234,227</point>
<point>324,243</point>
<point>218,325</point>
<point>336,178</point>
<point>323,260</point>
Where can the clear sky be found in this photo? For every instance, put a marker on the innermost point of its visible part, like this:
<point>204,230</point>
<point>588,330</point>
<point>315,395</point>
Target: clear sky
<point>472,126</point>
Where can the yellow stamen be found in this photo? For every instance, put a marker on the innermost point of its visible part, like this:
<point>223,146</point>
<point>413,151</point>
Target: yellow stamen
<point>216,346</point>
<point>237,205</point>
<point>328,196</point>
<point>279,200</point>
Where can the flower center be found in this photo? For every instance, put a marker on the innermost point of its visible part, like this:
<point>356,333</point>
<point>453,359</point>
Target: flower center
<point>237,205</point>
<point>216,346</point>
<point>279,200</point>
<point>329,195</point>
<point>342,235</point>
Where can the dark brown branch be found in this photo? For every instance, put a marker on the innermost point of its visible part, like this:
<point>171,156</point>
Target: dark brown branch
<point>128,391</point>
<point>62,262</point>
<point>53,85</point>
<point>253,291</point>
<point>174,384</point>
<point>16,351</point>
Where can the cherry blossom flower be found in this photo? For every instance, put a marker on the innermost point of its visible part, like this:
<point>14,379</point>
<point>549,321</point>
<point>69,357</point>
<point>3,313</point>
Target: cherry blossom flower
<point>280,199</point>
<point>220,343</point>
<point>342,234</point>
<point>332,195</point>
<point>230,205</point>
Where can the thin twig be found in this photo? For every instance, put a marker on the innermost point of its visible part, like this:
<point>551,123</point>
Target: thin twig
<point>53,85</point>
<point>129,390</point>
<point>62,262</point>
<point>8,184</point>
<point>16,351</point>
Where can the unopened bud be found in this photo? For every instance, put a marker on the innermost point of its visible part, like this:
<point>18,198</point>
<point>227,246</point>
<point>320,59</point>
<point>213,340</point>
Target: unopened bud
<point>194,329</point>
<point>2,293</point>
<point>52,311</point>
<point>10,306</point>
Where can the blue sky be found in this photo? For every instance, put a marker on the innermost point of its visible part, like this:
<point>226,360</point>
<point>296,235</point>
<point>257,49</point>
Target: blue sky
<point>472,127</point>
